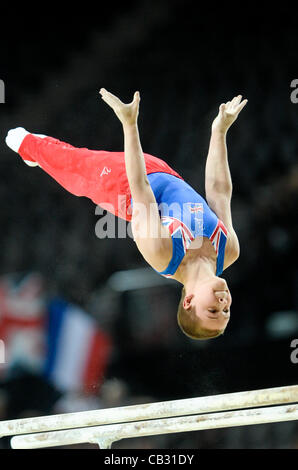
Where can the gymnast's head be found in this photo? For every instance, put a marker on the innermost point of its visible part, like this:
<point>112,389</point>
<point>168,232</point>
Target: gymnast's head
<point>204,311</point>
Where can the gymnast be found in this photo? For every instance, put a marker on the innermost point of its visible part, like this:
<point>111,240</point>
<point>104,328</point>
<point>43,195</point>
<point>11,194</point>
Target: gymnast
<point>179,233</point>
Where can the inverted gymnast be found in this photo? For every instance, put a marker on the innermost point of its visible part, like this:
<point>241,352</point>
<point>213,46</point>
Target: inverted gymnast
<point>179,233</point>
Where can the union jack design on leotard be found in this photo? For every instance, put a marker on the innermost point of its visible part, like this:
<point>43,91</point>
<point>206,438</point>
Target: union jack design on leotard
<point>178,229</point>
<point>219,231</point>
<point>189,218</point>
<point>180,233</point>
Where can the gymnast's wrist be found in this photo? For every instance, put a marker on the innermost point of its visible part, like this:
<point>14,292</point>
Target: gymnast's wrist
<point>130,126</point>
<point>219,130</point>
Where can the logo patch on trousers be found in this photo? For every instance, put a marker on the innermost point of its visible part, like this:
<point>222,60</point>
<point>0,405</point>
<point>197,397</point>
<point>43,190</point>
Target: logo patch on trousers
<point>105,171</point>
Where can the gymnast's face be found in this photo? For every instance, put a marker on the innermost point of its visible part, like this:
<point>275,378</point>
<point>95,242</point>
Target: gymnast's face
<point>210,304</point>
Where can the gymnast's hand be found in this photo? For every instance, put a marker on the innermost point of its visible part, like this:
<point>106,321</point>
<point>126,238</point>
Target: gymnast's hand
<point>127,113</point>
<point>228,113</point>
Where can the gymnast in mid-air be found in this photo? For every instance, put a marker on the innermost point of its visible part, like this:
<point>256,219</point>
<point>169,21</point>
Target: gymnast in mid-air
<point>180,234</point>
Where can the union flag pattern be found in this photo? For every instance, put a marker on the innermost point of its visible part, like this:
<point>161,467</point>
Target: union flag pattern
<point>219,231</point>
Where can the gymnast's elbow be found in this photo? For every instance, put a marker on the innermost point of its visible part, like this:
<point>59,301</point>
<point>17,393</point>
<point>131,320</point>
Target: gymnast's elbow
<point>139,184</point>
<point>235,250</point>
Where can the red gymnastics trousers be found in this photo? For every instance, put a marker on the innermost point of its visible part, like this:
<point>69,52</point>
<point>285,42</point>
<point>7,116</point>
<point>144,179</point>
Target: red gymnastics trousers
<point>96,174</point>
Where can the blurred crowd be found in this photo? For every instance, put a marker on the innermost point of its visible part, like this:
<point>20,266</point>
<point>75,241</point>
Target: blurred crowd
<point>183,74</point>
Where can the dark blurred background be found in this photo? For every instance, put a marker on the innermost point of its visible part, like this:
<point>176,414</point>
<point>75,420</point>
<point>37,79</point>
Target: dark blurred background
<point>185,59</point>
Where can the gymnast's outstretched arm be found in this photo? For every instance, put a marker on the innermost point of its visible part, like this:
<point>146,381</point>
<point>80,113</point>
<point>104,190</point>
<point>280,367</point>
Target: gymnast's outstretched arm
<point>217,173</point>
<point>150,235</point>
<point>218,181</point>
<point>134,158</point>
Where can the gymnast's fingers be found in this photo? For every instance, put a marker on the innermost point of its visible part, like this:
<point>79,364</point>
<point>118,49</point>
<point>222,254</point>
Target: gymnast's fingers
<point>241,106</point>
<point>109,98</point>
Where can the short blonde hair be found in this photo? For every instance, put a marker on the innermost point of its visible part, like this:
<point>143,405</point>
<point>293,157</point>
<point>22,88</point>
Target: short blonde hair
<point>189,325</point>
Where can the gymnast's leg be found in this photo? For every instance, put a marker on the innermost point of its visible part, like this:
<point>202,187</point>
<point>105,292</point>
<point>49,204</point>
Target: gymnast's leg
<point>98,175</point>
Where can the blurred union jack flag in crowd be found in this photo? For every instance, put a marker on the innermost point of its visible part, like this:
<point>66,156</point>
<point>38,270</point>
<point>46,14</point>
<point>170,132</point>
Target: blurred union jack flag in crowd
<point>50,337</point>
<point>22,322</point>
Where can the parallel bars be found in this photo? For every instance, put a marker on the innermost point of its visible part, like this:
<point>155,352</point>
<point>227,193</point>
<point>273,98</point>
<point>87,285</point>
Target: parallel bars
<point>103,426</point>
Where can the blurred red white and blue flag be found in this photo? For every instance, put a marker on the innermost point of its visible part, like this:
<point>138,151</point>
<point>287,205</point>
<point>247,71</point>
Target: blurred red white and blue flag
<point>50,337</point>
<point>22,323</point>
<point>77,350</point>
